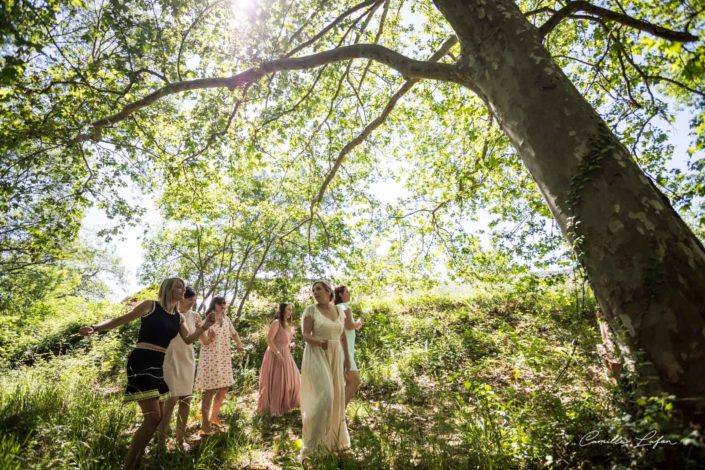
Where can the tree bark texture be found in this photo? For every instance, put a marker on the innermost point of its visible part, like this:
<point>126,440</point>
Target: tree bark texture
<point>646,266</point>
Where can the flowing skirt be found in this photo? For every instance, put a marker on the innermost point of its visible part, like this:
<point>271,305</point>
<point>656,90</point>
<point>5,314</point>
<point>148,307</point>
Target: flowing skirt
<point>323,398</point>
<point>279,383</point>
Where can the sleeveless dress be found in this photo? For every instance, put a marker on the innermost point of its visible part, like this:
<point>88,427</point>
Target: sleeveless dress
<point>350,335</point>
<point>279,378</point>
<point>180,361</point>
<point>215,366</point>
<point>323,386</point>
<point>145,367</point>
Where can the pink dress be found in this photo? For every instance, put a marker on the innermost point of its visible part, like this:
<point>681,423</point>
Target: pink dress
<point>279,378</point>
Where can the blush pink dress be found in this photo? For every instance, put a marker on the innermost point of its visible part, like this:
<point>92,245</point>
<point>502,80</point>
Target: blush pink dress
<point>279,378</point>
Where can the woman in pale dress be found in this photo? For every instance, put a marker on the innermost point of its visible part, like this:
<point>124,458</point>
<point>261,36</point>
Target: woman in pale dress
<point>215,369</point>
<point>352,374</point>
<point>279,378</point>
<point>322,374</point>
<point>179,371</point>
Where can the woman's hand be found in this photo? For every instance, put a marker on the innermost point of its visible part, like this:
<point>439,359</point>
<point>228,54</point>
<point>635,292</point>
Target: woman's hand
<point>210,320</point>
<point>359,323</point>
<point>86,331</point>
<point>346,364</point>
<point>324,344</point>
<point>240,349</point>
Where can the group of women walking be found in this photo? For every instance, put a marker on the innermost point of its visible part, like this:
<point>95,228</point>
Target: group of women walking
<point>162,372</point>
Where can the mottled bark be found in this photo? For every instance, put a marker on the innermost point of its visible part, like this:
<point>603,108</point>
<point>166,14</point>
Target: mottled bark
<point>645,265</point>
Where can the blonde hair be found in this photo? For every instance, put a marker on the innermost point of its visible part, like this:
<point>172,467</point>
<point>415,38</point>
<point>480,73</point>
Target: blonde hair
<point>165,290</point>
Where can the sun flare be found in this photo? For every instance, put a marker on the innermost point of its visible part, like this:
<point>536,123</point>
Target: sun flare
<point>242,10</point>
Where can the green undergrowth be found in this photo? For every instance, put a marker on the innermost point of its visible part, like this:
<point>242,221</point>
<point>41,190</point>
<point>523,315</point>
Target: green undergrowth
<point>503,377</point>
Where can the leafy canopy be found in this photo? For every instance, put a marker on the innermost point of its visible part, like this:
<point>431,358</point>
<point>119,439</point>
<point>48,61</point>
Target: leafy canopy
<point>98,96</point>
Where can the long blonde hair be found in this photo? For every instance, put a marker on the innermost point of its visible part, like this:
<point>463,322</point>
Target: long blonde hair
<point>165,290</point>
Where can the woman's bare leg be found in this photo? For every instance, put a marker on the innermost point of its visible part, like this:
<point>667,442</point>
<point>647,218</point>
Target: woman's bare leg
<point>205,409</point>
<point>152,412</point>
<point>217,403</point>
<point>182,419</point>
<point>165,424</point>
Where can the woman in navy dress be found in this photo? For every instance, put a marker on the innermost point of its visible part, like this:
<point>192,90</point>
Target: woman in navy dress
<point>160,322</point>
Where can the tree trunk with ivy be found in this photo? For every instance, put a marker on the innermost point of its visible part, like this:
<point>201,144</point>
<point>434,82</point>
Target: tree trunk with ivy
<point>645,265</point>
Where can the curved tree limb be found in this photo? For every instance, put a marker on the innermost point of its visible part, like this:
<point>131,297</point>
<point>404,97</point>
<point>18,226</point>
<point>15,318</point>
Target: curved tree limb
<point>330,26</point>
<point>318,76</point>
<point>676,83</point>
<point>185,34</point>
<point>443,50</point>
<point>605,14</point>
<point>409,68</point>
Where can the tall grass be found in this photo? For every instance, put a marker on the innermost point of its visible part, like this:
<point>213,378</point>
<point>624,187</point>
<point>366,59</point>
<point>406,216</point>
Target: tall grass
<point>500,379</point>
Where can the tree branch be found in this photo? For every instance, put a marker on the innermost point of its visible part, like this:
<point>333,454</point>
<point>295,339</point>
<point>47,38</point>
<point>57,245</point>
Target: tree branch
<point>184,34</point>
<point>445,47</point>
<point>587,7</point>
<point>317,79</point>
<point>409,68</point>
<point>330,26</point>
<point>676,83</point>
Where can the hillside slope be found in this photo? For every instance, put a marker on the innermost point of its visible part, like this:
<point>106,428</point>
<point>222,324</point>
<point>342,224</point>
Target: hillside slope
<point>506,378</point>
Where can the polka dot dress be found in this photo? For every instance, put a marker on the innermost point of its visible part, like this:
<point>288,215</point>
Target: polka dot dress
<point>215,369</point>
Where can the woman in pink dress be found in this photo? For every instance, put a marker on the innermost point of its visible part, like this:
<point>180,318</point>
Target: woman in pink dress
<point>279,378</point>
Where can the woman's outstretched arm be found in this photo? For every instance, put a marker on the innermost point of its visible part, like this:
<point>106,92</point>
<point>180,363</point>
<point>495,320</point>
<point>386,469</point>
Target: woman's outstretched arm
<point>107,325</point>
<point>235,337</point>
<point>190,338</point>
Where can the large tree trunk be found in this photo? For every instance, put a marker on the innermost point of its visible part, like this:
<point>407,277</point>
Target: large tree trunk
<point>646,266</point>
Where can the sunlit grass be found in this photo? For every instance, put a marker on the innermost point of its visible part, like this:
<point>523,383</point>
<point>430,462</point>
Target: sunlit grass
<point>488,381</point>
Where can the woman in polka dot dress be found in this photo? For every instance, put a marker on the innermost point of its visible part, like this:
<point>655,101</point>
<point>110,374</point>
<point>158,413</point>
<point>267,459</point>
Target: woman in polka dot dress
<point>215,369</point>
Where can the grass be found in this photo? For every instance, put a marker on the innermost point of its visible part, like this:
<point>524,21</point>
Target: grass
<point>507,379</point>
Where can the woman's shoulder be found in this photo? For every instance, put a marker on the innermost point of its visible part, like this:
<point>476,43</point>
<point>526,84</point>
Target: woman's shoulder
<point>309,311</point>
<point>148,307</point>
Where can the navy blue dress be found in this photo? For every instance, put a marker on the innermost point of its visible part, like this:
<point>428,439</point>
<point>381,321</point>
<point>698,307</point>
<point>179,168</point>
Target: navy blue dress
<point>145,367</point>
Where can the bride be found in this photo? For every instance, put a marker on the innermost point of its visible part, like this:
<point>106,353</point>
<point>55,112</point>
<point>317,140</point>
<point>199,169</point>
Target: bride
<point>322,374</point>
